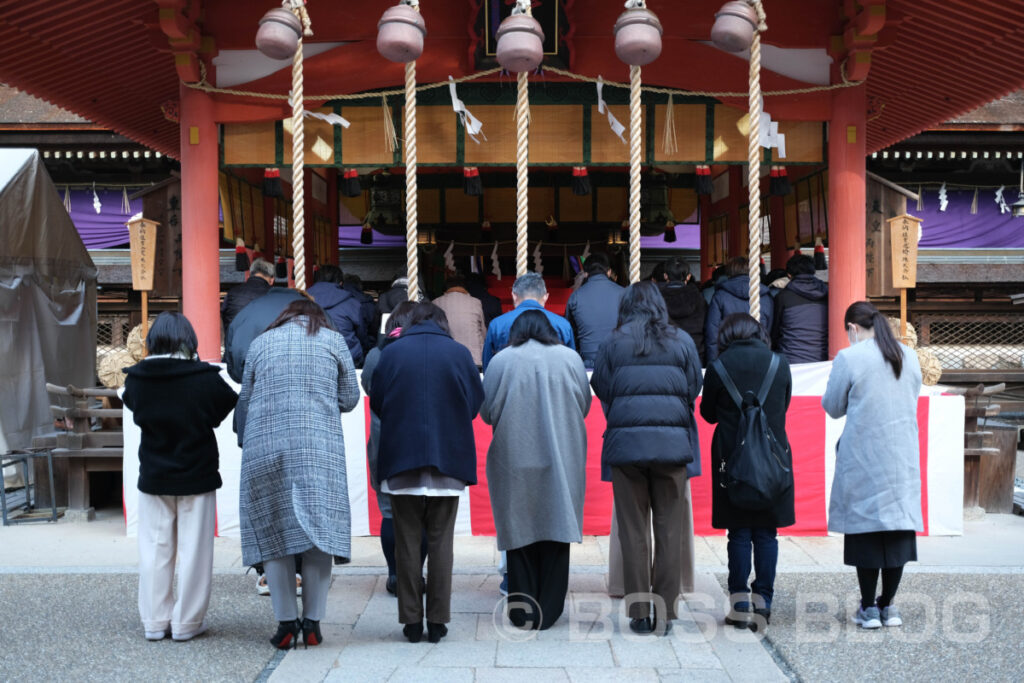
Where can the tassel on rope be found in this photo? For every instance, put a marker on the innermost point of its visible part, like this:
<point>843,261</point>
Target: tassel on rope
<point>126,205</point>
<point>703,184</point>
<point>920,198</point>
<point>390,136</point>
<point>670,232</point>
<point>366,234</point>
<point>241,255</point>
<point>471,183</point>
<point>281,268</point>
<point>974,203</point>
<point>272,186</point>
<point>67,198</point>
<point>350,186</point>
<point>819,254</point>
<point>580,181</point>
<point>669,144</point>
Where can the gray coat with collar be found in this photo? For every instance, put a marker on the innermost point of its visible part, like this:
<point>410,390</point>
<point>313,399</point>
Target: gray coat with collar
<point>877,484</point>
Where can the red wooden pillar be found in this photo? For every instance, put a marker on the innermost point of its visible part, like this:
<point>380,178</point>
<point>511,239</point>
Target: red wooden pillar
<point>846,209</point>
<point>200,236</point>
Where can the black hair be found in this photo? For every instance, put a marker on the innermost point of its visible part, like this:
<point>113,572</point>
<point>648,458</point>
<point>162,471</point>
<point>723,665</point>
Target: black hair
<point>532,325</point>
<point>737,326</point>
<point>773,275</point>
<point>676,269</point>
<point>303,308</point>
<point>455,279</point>
<point>172,333</point>
<point>351,279</point>
<point>657,272</point>
<point>800,265</point>
<point>424,311</point>
<point>867,316</point>
<point>597,264</point>
<point>329,273</point>
<point>643,306</point>
<point>737,266</point>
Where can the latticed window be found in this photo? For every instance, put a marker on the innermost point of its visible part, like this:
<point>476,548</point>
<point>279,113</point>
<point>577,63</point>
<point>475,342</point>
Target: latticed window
<point>992,341</point>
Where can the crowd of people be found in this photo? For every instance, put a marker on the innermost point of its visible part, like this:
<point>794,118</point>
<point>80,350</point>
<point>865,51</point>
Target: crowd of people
<point>645,346</point>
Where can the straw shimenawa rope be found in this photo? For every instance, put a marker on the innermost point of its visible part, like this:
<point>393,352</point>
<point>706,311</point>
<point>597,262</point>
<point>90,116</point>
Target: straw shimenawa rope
<point>522,175</point>
<point>411,193</point>
<point>754,164</point>
<point>635,153</point>
<point>298,150</point>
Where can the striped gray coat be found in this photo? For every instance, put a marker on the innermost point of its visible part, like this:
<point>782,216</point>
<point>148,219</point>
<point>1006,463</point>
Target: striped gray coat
<point>294,491</point>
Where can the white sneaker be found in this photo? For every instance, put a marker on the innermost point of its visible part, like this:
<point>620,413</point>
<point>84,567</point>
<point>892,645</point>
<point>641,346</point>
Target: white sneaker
<point>868,618</point>
<point>158,635</point>
<point>298,585</point>
<point>891,616</point>
<point>261,585</point>
<point>203,627</point>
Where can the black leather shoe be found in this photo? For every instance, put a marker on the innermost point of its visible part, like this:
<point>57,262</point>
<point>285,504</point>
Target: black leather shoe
<point>765,615</point>
<point>391,585</point>
<point>287,635</point>
<point>642,626</point>
<point>413,632</point>
<point>435,632</point>
<point>311,633</point>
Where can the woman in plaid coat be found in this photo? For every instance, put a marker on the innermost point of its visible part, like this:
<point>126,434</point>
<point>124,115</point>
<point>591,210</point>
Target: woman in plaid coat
<point>293,497</point>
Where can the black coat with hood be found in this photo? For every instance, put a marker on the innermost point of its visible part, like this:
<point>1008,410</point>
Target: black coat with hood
<point>686,310</point>
<point>800,327</point>
<point>345,311</point>
<point>733,296</point>
<point>177,403</point>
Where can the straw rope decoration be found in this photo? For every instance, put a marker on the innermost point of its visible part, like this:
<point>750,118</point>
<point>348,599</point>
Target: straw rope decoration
<point>754,163</point>
<point>298,149</point>
<point>411,191</point>
<point>522,175</point>
<point>635,151</point>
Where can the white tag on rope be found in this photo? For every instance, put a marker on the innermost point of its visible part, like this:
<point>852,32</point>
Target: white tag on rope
<point>449,260</point>
<point>96,199</point>
<point>538,266</point>
<point>1003,208</point>
<point>586,252</point>
<point>495,263</point>
<point>332,118</point>
<point>603,108</point>
<point>472,124</point>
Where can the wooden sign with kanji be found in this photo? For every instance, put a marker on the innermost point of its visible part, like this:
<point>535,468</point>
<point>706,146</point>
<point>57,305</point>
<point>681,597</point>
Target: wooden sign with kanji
<point>904,231</point>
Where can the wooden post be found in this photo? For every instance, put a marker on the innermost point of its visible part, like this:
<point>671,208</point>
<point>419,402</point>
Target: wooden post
<point>904,235</point>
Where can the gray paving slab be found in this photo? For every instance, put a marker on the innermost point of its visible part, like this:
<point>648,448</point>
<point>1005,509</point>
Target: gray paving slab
<point>618,675</point>
<point>518,675</point>
<point>554,653</point>
<point>367,673</point>
<point>650,651</point>
<point>454,651</point>
<point>693,676</point>
<point>427,674</point>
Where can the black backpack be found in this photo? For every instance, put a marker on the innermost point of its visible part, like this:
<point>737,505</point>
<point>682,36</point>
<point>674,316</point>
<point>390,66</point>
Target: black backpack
<point>757,472</point>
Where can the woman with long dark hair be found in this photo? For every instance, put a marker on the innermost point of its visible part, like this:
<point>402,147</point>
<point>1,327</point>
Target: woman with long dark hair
<point>876,492</point>
<point>178,401</point>
<point>745,360</point>
<point>536,397</point>
<point>293,498</point>
<point>647,376</point>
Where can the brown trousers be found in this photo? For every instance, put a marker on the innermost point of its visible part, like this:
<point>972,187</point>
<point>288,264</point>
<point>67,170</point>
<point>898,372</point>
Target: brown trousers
<point>413,514</point>
<point>688,564</point>
<point>655,492</point>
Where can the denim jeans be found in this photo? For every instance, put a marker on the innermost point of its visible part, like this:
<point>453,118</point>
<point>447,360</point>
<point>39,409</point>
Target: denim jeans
<point>766,555</point>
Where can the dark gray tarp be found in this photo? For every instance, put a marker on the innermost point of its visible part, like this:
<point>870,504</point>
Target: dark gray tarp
<point>47,299</point>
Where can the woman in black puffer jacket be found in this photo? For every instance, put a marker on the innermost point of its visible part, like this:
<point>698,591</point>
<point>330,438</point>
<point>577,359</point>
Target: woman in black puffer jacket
<point>647,375</point>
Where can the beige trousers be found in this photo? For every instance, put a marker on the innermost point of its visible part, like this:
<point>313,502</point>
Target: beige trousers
<point>175,528</point>
<point>615,581</point>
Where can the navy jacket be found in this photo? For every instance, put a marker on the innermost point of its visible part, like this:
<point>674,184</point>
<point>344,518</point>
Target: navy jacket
<point>648,402</point>
<point>498,330</point>
<point>732,296</point>
<point>367,314</point>
<point>686,310</point>
<point>344,310</point>
<point>251,322</point>
<point>593,312</point>
<point>177,403</point>
<point>800,327</point>
<point>427,391</point>
<point>239,296</point>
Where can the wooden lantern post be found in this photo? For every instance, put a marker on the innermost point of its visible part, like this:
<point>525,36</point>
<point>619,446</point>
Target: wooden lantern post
<point>142,239</point>
<point>904,235</point>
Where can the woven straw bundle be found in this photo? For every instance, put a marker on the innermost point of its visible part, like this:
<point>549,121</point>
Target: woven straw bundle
<point>110,368</point>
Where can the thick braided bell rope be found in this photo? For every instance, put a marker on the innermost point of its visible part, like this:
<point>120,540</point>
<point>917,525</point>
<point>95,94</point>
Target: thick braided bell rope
<point>754,165</point>
<point>298,159</point>
<point>522,176</point>
<point>635,153</point>
<point>411,193</point>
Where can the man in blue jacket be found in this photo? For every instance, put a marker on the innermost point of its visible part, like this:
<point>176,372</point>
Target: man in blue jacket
<point>800,330</point>
<point>528,293</point>
<point>593,309</point>
<point>341,306</point>
<point>733,296</point>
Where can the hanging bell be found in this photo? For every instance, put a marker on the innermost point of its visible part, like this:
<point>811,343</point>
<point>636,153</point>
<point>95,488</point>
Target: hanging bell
<point>400,34</point>
<point>637,36</point>
<point>520,43</point>
<point>734,27</point>
<point>279,33</point>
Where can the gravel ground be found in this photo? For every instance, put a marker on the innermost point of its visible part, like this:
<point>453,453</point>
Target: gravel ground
<point>85,627</point>
<point>957,627</point>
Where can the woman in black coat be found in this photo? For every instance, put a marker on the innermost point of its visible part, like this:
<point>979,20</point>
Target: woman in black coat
<point>647,375</point>
<point>746,357</point>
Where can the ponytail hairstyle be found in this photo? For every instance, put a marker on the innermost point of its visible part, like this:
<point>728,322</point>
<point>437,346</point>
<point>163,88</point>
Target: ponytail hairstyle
<point>867,316</point>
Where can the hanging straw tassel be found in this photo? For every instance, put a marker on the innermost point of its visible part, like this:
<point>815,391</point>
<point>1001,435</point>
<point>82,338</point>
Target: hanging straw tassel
<point>669,144</point>
<point>67,198</point>
<point>390,136</point>
<point>974,203</point>
<point>126,206</point>
<point>920,198</point>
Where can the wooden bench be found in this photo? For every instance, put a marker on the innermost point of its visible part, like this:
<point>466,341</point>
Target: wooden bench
<point>78,448</point>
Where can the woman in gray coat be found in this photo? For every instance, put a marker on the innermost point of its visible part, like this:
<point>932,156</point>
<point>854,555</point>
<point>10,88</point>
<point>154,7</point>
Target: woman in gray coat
<point>293,497</point>
<point>536,396</point>
<point>876,493</point>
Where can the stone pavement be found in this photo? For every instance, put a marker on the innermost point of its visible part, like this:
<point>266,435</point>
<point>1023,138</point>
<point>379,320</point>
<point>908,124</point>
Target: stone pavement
<point>67,605</point>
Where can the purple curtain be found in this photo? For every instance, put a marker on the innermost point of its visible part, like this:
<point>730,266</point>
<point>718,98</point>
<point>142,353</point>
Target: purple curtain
<point>957,228</point>
<point>348,236</point>
<point>107,228</point>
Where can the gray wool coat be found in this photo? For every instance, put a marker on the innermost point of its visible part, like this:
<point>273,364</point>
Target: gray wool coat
<point>536,398</point>
<point>294,491</point>
<point>877,484</point>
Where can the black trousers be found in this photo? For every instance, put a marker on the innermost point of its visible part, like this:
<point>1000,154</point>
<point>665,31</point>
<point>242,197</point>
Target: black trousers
<point>436,516</point>
<point>538,580</point>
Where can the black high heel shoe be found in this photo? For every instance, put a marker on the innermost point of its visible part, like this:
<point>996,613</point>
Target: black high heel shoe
<point>287,635</point>
<point>311,633</point>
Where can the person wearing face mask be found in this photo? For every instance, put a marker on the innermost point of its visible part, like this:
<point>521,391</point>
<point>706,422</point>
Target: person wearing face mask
<point>876,492</point>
